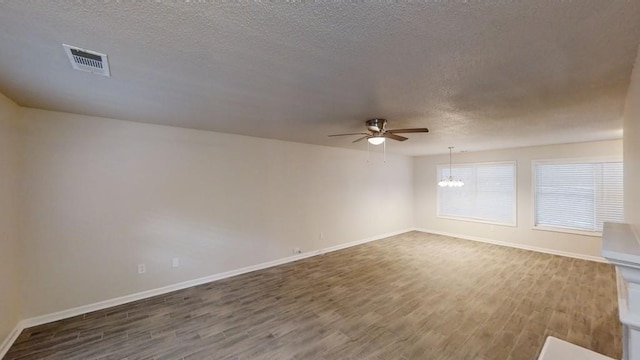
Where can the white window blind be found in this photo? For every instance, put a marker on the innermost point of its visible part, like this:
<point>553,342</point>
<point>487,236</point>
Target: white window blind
<point>578,195</point>
<point>488,194</point>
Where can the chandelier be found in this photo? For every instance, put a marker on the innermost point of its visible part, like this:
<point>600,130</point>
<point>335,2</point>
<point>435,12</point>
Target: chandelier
<point>449,181</point>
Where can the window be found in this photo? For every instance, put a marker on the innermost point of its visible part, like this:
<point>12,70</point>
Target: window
<point>488,194</point>
<point>578,196</point>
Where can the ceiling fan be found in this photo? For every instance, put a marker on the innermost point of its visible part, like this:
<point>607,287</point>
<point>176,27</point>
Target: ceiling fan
<point>378,132</point>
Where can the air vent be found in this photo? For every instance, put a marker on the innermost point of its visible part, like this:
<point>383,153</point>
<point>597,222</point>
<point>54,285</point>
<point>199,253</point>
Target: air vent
<point>87,60</point>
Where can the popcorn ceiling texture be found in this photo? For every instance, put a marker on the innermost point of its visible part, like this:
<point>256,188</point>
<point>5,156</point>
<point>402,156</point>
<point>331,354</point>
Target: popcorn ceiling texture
<point>480,75</point>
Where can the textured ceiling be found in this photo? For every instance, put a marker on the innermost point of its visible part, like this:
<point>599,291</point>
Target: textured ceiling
<point>481,75</point>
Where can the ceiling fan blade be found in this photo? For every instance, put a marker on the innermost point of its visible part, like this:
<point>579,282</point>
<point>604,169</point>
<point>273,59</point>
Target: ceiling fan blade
<point>348,134</point>
<point>360,139</point>
<point>394,137</point>
<point>414,130</point>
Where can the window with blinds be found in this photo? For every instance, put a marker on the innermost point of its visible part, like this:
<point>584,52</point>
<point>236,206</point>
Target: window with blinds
<point>578,195</point>
<point>488,194</point>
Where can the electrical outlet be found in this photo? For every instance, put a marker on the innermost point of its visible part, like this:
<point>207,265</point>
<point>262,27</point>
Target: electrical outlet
<point>296,251</point>
<point>142,269</point>
<point>175,262</point>
<point>321,236</point>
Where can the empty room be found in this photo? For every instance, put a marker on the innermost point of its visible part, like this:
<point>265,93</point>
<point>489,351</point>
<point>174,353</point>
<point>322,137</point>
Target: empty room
<point>319,180</point>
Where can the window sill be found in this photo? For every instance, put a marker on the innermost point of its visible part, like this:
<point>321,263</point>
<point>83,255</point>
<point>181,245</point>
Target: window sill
<point>567,231</point>
<point>488,222</point>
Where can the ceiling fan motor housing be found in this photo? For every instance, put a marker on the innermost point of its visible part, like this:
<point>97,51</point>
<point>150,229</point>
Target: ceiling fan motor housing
<point>376,125</point>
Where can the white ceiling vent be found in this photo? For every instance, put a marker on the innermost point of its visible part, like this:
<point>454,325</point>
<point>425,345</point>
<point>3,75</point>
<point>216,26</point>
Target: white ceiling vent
<point>87,60</point>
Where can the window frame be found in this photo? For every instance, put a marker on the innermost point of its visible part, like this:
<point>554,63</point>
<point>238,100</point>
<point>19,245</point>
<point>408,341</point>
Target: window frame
<point>514,163</point>
<point>583,160</point>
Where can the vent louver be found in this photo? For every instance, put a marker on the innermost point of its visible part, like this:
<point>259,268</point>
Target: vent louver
<point>87,60</point>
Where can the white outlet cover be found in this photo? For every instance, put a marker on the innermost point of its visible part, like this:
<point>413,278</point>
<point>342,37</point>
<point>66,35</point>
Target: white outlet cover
<point>142,269</point>
<point>175,262</point>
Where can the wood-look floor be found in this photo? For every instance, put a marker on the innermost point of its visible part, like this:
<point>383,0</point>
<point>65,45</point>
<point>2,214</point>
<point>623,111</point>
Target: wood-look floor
<point>412,296</point>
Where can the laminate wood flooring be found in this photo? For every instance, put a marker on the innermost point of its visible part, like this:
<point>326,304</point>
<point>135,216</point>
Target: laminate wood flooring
<point>412,296</point>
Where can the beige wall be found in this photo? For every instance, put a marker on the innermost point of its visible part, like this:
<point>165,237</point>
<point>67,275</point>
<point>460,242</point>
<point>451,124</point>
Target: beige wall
<point>10,297</point>
<point>104,195</point>
<point>632,151</point>
<point>425,203</point>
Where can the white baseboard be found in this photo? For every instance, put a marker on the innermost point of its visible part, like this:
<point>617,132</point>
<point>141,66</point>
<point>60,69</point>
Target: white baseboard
<point>43,319</point>
<point>517,246</point>
<point>10,339</point>
<point>361,241</point>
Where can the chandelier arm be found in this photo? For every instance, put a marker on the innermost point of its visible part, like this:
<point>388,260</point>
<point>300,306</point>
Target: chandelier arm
<point>450,166</point>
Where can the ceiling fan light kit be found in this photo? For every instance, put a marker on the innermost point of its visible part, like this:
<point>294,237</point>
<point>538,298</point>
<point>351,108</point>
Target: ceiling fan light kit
<point>450,181</point>
<point>375,140</point>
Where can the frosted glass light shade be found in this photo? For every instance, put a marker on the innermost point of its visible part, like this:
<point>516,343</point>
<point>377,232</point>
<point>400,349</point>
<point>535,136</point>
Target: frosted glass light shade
<point>376,140</point>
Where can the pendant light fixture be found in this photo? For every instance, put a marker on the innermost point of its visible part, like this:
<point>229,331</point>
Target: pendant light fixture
<point>450,181</point>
